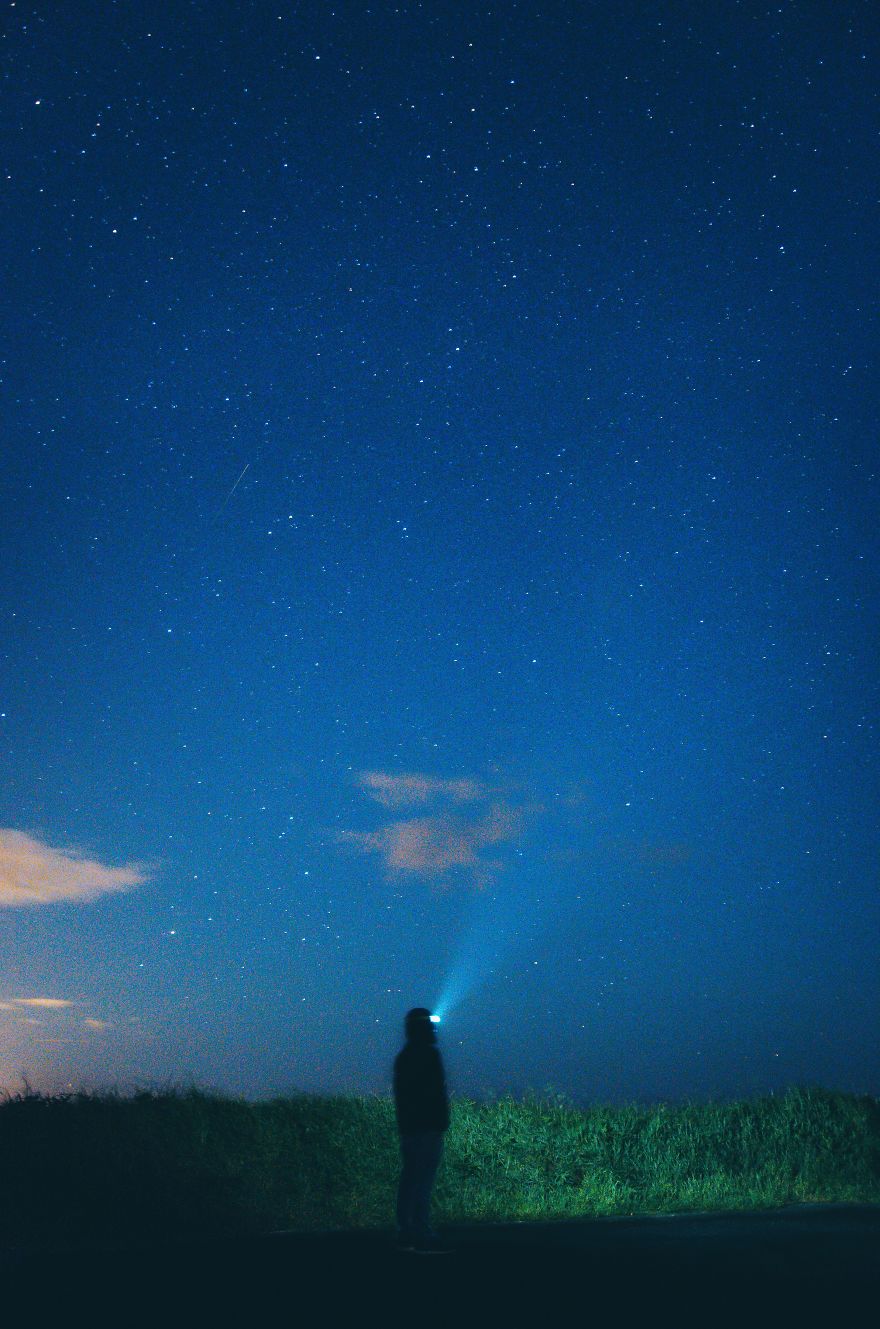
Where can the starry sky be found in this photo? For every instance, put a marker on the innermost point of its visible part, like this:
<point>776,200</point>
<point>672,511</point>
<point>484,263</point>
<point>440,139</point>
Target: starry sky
<point>438,553</point>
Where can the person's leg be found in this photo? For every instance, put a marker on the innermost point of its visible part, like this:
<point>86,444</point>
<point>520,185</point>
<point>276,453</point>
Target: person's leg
<point>426,1155</point>
<point>406,1186</point>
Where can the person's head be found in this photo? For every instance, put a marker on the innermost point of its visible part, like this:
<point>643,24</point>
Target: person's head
<point>418,1026</point>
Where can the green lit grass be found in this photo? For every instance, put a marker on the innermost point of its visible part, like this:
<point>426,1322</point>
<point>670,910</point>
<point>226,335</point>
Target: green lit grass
<point>101,1166</point>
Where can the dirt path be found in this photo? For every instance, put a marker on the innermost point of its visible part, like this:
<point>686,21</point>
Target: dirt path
<point>798,1266</point>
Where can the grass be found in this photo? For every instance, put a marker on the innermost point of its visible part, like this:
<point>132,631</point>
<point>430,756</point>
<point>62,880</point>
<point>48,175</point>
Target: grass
<point>102,1166</point>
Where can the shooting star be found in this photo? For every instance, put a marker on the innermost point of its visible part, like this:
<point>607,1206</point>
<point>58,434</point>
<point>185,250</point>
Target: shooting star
<point>232,490</point>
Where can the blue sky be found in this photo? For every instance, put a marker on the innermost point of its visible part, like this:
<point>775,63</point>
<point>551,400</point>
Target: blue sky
<point>439,554</point>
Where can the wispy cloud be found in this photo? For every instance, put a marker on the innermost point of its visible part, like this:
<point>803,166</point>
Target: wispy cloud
<point>43,1039</point>
<point>444,843</point>
<point>59,1013</point>
<point>33,873</point>
<point>395,791</point>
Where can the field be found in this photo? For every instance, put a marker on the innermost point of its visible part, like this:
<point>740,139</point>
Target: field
<point>93,1167</point>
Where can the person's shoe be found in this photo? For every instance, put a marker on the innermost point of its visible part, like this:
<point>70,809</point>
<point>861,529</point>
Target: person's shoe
<point>431,1245</point>
<point>406,1241</point>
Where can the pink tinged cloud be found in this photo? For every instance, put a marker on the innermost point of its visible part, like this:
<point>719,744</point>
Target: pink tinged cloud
<point>395,791</point>
<point>33,873</point>
<point>435,846</point>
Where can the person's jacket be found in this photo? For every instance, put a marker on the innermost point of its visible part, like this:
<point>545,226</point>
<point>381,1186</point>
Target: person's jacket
<point>420,1098</point>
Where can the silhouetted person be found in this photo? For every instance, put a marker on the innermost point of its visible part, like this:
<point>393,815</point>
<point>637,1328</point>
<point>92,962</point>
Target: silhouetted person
<point>422,1106</point>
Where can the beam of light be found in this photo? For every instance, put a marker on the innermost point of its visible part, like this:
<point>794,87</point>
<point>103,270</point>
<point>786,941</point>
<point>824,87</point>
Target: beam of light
<point>488,935</point>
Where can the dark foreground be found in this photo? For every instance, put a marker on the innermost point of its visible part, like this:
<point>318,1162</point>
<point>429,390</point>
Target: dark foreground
<point>800,1265</point>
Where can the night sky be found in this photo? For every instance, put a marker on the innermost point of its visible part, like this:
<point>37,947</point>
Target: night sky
<point>438,551</point>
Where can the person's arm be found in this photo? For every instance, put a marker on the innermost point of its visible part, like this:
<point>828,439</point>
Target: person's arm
<point>401,1097</point>
<point>441,1093</point>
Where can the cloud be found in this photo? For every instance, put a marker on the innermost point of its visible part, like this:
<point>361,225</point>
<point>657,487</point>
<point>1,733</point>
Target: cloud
<point>100,1025</point>
<point>394,791</point>
<point>42,1003</point>
<point>33,873</point>
<point>441,844</point>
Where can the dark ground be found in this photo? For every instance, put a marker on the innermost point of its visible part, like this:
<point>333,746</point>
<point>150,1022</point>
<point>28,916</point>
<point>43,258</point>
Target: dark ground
<point>795,1266</point>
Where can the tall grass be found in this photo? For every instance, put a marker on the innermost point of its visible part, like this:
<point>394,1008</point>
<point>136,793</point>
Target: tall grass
<point>101,1166</point>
